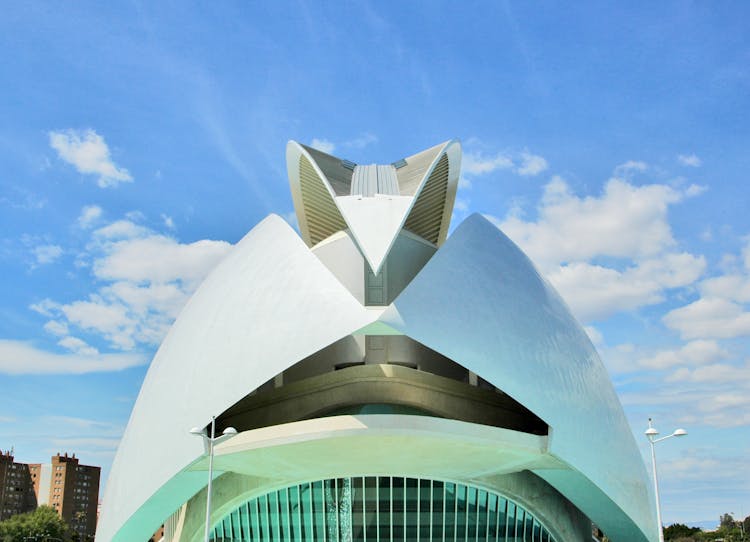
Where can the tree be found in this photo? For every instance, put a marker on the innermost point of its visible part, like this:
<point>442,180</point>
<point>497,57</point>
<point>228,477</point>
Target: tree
<point>678,531</point>
<point>726,521</point>
<point>42,523</point>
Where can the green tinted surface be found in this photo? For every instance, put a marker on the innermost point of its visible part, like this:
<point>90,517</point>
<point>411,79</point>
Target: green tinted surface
<point>379,509</point>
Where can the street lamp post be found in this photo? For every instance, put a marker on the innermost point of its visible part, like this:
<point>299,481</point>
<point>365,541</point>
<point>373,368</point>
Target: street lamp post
<point>651,433</point>
<point>210,442</point>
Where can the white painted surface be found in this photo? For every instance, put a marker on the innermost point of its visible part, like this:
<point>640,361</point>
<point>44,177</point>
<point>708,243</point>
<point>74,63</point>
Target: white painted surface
<point>481,302</point>
<point>478,301</point>
<point>339,253</point>
<point>267,305</point>
<point>374,222</point>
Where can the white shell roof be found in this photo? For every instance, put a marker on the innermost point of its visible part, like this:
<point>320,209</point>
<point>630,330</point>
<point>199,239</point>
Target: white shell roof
<point>479,301</point>
<point>267,305</point>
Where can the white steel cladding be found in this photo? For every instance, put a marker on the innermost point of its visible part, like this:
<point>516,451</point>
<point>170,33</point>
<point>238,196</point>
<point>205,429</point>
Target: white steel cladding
<point>376,346</point>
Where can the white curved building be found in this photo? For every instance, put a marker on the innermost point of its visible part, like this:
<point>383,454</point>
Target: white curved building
<point>388,383</point>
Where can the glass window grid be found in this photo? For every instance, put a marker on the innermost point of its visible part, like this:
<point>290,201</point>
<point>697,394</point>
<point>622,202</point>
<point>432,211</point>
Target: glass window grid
<point>376,509</point>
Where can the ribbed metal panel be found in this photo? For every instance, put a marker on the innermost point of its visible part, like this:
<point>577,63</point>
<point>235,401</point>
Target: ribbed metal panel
<point>321,214</point>
<point>426,216</point>
<point>380,509</point>
<point>387,180</point>
<point>374,179</point>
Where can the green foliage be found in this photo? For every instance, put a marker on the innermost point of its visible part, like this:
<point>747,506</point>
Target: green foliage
<point>679,531</point>
<point>729,531</point>
<point>43,523</point>
<point>726,521</point>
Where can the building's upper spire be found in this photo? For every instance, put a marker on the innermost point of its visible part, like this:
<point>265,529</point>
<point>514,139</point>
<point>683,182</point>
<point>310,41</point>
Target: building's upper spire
<point>374,202</point>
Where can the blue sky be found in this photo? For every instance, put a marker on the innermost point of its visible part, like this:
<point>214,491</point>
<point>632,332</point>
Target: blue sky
<point>139,141</point>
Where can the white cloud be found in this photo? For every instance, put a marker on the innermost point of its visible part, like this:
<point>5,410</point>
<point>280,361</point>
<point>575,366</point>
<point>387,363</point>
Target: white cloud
<point>531,164</point>
<point>18,357</point>
<point>726,401</point>
<point>361,141</point>
<point>716,373</point>
<point>475,163</point>
<point>734,287</point>
<point>93,441</point>
<point>695,190</point>
<point>595,292</point>
<point>46,307</point>
<point>56,327</point>
<point>159,259</point>
<point>625,221</point>
<point>595,335</point>
<point>722,310</point>
<point>746,254</point>
<point>105,317</point>
<point>121,229</point>
<point>89,154</point>
<point>144,280</point>
<point>89,215</point>
<point>464,183</point>
<point>323,145</point>
<point>704,471</point>
<point>168,222</point>
<point>698,352</point>
<point>631,166</point>
<point>712,395</point>
<point>607,253</point>
<point>45,254</point>
<point>79,346</point>
<point>709,317</point>
<point>690,160</point>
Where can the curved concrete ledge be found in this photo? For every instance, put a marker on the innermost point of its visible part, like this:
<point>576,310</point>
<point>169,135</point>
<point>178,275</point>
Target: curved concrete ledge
<point>380,384</point>
<point>263,460</point>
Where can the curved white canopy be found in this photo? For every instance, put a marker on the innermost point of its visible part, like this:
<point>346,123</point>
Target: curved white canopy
<point>481,302</point>
<point>478,301</point>
<point>267,305</point>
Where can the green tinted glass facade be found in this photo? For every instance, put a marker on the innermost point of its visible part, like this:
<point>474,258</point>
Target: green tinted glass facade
<point>380,509</point>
